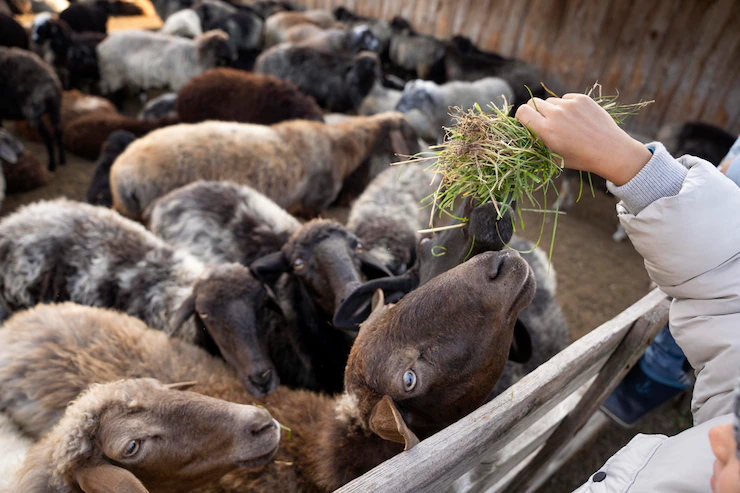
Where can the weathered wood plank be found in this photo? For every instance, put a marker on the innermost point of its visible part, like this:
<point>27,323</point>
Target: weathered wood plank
<point>440,459</point>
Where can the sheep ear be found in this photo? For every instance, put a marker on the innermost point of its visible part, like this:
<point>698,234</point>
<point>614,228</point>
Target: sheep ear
<point>398,142</point>
<point>107,478</point>
<point>186,310</point>
<point>269,268</point>
<point>378,300</point>
<point>359,305</point>
<point>386,422</point>
<point>521,344</point>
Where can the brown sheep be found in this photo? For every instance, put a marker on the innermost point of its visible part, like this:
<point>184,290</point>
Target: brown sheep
<point>140,436</point>
<point>436,354</point>
<point>86,135</point>
<point>299,164</point>
<point>234,95</point>
<point>277,25</point>
<point>21,169</point>
<point>74,105</point>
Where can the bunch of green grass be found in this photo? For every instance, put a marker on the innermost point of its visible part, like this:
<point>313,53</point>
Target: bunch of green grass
<point>489,156</point>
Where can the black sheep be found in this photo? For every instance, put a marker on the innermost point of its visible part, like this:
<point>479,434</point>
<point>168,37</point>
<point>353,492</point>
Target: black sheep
<point>29,88</point>
<point>12,34</point>
<point>74,53</point>
<point>88,17</point>
<point>99,191</point>
<point>698,139</point>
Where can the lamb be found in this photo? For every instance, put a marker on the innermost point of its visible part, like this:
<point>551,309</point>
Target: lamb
<point>185,23</point>
<point>416,55</point>
<point>234,95</point>
<point>148,60</point>
<point>85,136</point>
<point>243,26</point>
<point>103,442</point>
<point>379,28</point>
<point>333,40</point>
<point>337,81</point>
<point>465,62</point>
<point>388,214</point>
<point>698,139</point>
<point>436,365</point>
<point>277,25</point>
<point>434,100</point>
<point>22,171</point>
<point>299,164</point>
<point>61,250</point>
<point>99,191</point>
<point>163,106</point>
<point>13,448</point>
<point>221,222</point>
<point>30,89</point>
<point>88,17</point>
<point>74,53</point>
<point>166,8</point>
<point>12,33</point>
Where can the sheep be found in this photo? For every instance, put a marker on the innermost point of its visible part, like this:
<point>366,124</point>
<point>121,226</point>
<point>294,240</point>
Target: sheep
<point>62,250</point>
<point>416,55</point>
<point>434,100</point>
<point>388,214</point>
<point>185,23</point>
<point>148,60</point>
<point>74,53</point>
<point>698,139</point>
<point>12,33</point>
<point>21,170</point>
<point>98,193</point>
<point>278,24</point>
<point>139,435</point>
<point>436,354</point>
<point>309,269</point>
<point>234,95</point>
<point>465,62</point>
<point>379,99</point>
<point>124,8</point>
<point>163,106</point>
<point>338,81</point>
<point>220,222</point>
<point>332,40</point>
<point>88,17</point>
<point>379,28</point>
<point>166,8</point>
<point>244,27</point>
<point>268,8</point>
<point>74,105</point>
<point>29,89</point>
<point>13,448</point>
<point>299,164</point>
<point>85,136</point>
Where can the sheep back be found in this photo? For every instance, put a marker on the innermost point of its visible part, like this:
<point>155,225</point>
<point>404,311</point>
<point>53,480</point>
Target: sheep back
<point>233,95</point>
<point>12,33</point>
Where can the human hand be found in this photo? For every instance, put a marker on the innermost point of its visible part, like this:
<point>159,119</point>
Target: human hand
<point>587,138</point>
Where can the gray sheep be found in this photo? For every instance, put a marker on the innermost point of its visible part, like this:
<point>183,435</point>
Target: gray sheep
<point>68,251</point>
<point>146,60</point>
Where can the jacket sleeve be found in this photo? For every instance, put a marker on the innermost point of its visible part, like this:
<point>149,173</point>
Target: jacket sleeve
<point>689,236</point>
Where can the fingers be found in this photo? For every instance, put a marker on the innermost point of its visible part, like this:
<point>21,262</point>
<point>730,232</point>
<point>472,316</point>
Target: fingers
<point>540,105</point>
<point>530,117</point>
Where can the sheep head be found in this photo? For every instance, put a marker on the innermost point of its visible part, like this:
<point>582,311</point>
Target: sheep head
<point>436,355</point>
<point>232,306</point>
<point>139,435</point>
<point>328,261</point>
<point>214,46</point>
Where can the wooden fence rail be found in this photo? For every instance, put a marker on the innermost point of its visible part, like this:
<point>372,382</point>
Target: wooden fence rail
<point>475,453</point>
<point>681,53</point>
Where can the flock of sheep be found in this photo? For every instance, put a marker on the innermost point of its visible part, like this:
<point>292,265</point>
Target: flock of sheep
<point>200,261</point>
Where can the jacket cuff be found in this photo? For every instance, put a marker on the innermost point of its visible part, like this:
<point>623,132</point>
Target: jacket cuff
<point>661,177</point>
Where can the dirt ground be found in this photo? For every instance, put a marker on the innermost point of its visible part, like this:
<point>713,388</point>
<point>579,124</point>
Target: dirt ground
<point>597,278</point>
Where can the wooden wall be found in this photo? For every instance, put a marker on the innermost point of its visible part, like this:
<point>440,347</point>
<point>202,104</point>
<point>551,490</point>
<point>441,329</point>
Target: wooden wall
<point>684,54</point>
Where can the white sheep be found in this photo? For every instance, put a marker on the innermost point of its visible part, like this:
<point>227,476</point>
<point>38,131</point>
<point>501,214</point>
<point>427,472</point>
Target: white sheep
<point>150,60</point>
<point>434,100</point>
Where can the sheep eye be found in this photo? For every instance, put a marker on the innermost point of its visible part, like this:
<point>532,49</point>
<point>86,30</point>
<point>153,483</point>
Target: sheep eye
<point>298,264</point>
<point>424,241</point>
<point>359,248</point>
<point>409,380</point>
<point>131,448</point>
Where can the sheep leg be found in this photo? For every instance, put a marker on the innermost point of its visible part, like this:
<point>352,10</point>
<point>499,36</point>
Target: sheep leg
<point>55,119</point>
<point>44,133</point>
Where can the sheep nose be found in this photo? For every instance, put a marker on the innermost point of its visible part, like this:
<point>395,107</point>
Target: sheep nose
<point>261,379</point>
<point>495,266</point>
<point>261,424</point>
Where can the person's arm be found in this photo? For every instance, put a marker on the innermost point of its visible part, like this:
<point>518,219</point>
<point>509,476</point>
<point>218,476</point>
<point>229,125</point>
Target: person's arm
<point>684,222</point>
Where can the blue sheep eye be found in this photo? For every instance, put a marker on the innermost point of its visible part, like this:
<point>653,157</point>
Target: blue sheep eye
<point>409,380</point>
<point>298,263</point>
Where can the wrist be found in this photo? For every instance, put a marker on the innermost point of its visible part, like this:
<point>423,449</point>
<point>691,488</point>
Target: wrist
<point>626,163</point>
